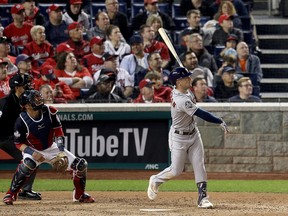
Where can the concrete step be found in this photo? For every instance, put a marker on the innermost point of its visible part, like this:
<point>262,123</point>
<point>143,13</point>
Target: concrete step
<point>273,41</point>
<point>275,70</point>
<point>274,96</point>
<point>274,85</point>
<point>272,56</point>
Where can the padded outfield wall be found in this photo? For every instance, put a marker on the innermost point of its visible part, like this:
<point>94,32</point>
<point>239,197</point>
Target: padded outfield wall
<point>135,136</point>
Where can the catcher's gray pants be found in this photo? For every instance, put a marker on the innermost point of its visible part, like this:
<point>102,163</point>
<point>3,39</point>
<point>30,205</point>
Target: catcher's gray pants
<point>183,147</point>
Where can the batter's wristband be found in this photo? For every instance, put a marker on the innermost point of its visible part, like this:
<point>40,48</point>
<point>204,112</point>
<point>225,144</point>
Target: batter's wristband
<point>29,150</point>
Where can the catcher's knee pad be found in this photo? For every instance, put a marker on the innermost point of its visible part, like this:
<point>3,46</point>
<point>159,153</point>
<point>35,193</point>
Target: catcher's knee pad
<point>79,166</point>
<point>28,166</point>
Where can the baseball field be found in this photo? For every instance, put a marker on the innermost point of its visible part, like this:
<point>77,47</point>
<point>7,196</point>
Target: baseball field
<point>124,193</point>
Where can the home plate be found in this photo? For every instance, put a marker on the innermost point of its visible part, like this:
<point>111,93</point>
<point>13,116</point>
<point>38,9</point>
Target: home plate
<point>155,210</point>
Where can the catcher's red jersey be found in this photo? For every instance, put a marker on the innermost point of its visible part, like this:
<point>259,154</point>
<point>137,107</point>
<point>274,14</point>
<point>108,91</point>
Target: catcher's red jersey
<point>18,36</point>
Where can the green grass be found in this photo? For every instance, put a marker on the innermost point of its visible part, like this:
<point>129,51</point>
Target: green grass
<point>265,186</point>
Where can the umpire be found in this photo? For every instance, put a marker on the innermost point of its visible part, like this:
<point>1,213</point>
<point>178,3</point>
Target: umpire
<point>9,112</point>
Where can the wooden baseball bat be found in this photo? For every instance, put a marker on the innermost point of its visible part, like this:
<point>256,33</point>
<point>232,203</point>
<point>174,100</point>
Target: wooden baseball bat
<point>169,45</point>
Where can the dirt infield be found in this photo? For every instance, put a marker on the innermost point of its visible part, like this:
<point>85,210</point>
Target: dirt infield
<point>137,203</point>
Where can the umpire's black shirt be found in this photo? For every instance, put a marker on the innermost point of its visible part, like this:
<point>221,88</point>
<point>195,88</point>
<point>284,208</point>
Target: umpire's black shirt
<point>9,112</point>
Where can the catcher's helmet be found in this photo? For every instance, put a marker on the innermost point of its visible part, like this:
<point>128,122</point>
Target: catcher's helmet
<point>178,73</point>
<point>32,97</point>
<point>24,80</point>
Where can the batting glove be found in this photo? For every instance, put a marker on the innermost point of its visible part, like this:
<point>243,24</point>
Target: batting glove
<point>224,127</point>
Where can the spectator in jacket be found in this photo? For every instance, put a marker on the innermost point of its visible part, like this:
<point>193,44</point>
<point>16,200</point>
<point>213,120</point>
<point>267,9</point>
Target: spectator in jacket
<point>4,54</point>
<point>102,22</point>
<point>32,13</point>
<point>56,27</point>
<point>74,13</point>
<point>4,81</point>
<point>248,63</point>
<point>151,7</point>
<point>200,88</point>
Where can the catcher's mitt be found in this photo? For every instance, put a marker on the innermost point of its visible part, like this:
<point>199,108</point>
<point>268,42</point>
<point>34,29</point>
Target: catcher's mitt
<point>60,162</point>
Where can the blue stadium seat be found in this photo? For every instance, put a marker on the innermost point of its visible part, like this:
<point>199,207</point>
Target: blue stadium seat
<point>176,37</point>
<point>176,11</point>
<point>5,11</point>
<point>180,23</point>
<point>123,7</point>
<point>248,37</point>
<point>164,8</point>
<point>5,21</point>
<point>203,20</point>
<point>137,2</point>
<point>97,7</point>
<point>136,8</point>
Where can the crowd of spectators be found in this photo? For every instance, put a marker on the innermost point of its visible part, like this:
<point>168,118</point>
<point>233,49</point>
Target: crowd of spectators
<point>74,56</point>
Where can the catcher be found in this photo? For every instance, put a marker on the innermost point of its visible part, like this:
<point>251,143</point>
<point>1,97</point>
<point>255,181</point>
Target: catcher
<point>38,134</point>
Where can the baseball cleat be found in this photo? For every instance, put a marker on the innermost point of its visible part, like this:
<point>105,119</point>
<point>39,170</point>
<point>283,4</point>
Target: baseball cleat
<point>205,203</point>
<point>29,195</point>
<point>9,199</point>
<point>84,198</point>
<point>152,189</point>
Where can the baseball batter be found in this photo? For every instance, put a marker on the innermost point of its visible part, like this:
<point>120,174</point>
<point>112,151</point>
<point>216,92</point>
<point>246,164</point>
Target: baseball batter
<point>184,138</point>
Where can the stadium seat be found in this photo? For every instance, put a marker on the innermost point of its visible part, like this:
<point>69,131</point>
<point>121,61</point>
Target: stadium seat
<point>164,8</point>
<point>248,37</point>
<point>137,2</point>
<point>5,11</point>
<point>176,11</point>
<point>136,8</point>
<point>203,20</point>
<point>5,22</point>
<point>97,7</point>
<point>176,37</point>
<point>180,23</point>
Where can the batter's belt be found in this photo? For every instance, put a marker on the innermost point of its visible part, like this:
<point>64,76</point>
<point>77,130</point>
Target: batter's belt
<point>184,132</point>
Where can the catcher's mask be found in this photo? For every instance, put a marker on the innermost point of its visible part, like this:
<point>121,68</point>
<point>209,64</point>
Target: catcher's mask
<point>32,97</point>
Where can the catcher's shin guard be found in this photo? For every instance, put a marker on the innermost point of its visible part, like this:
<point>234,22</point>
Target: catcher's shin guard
<point>79,167</point>
<point>202,191</point>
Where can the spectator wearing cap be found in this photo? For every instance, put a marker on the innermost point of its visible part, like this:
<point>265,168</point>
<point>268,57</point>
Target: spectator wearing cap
<point>151,7</point>
<point>114,43</point>
<point>151,45</point>
<point>102,22</point>
<point>200,89</point>
<point>61,91</point>
<point>4,54</point>
<point>74,13</point>
<point>56,27</point>
<point>225,28</point>
<point>205,59</point>
<point>193,19</point>
<point>231,42</point>
<point>72,73</point>
<point>94,61</point>
<point>62,47</point>
<point>81,47</point>
<point>248,63</point>
<point>4,85</point>
<point>39,49</point>
<point>227,87</point>
<point>227,7</point>
<point>137,60</point>
<point>24,64</point>
<point>117,18</point>
<point>245,88</point>
<point>32,13</point>
<point>104,90</point>
<point>160,90</point>
<point>18,31</point>
<point>147,93</point>
<point>123,79</point>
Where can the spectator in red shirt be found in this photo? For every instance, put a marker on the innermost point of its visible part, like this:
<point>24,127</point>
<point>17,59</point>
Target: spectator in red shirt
<point>147,93</point>
<point>4,85</point>
<point>81,47</point>
<point>62,92</point>
<point>151,45</point>
<point>94,61</point>
<point>18,31</point>
<point>40,49</point>
<point>72,73</point>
